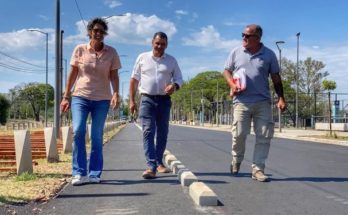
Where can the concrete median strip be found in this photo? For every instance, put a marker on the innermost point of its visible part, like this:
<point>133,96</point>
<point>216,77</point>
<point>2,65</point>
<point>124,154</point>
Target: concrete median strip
<point>174,164</point>
<point>187,178</point>
<point>169,159</point>
<point>177,168</point>
<point>202,195</point>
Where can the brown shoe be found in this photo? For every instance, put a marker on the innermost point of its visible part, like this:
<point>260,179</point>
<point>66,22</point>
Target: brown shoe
<point>148,174</point>
<point>259,175</point>
<point>162,169</point>
<point>234,168</point>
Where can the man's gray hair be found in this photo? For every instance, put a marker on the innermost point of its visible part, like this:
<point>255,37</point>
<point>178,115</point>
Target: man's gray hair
<point>257,28</point>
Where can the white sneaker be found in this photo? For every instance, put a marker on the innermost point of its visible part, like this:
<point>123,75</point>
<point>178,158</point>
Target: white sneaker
<point>94,180</point>
<point>78,180</point>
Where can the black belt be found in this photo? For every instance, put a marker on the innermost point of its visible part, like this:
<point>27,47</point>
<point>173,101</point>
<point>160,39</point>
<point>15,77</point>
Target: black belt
<point>155,96</point>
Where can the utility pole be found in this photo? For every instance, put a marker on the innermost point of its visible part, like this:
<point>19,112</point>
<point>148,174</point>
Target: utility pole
<point>217,103</point>
<point>46,86</point>
<point>57,74</point>
<point>297,73</point>
<point>280,70</point>
<point>202,103</point>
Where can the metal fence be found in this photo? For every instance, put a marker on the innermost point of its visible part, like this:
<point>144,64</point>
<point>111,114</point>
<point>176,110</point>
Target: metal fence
<point>312,108</point>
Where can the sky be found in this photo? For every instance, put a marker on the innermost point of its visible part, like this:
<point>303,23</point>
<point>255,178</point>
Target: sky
<point>201,33</point>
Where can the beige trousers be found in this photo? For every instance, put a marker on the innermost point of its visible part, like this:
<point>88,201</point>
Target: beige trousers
<point>260,114</point>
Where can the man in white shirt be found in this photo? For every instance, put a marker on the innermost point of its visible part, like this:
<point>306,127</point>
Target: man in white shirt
<point>157,75</point>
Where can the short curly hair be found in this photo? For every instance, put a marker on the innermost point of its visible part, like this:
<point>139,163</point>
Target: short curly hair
<point>97,20</point>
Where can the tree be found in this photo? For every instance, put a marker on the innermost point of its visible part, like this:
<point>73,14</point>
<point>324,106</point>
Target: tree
<point>34,94</point>
<point>310,75</point>
<point>329,85</point>
<point>4,109</point>
<point>203,86</point>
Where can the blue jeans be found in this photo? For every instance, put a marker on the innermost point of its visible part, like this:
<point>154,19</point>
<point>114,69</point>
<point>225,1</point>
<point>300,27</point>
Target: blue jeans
<point>154,115</point>
<point>80,108</point>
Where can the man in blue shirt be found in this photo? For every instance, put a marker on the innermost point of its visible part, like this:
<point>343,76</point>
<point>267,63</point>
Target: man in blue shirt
<point>254,102</point>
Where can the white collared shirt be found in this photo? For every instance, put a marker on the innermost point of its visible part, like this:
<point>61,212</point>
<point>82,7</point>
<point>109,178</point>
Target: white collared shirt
<point>154,73</point>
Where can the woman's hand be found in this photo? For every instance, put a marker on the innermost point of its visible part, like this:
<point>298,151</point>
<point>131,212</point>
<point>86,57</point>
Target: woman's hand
<point>115,101</point>
<point>65,104</point>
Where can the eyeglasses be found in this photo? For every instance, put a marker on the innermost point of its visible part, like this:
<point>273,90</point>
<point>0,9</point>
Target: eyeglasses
<point>249,35</point>
<point>98,31</point>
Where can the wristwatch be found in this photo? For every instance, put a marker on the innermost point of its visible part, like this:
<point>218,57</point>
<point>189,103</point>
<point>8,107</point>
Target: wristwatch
<point>176,86</point>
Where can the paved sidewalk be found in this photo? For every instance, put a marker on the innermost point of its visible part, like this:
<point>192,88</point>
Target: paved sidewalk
<point>122,189</point>
<point>288,133</point>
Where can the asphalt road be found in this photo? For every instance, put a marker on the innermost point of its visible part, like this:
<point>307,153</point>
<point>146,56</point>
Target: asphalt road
<point>307,177</point>
<point>122,189</point>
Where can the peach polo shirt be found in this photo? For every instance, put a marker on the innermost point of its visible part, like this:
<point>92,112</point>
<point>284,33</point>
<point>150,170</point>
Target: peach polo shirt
<point>93,79</point>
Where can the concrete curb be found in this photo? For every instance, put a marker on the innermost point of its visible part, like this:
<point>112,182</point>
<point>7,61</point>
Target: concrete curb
<point>202,195</point>
<point>187,178</point>
<point>313,139</point>
<point>177,168</point>
<point>174,163</point>
<point>169,159</point>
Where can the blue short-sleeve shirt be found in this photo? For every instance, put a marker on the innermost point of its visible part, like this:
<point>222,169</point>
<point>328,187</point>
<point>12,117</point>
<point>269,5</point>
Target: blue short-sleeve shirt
<point>258,68</point>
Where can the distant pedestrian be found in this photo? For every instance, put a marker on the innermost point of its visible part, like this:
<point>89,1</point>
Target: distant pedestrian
<point>158,75</point>
<point>94,66</point>
<point>253,103</point>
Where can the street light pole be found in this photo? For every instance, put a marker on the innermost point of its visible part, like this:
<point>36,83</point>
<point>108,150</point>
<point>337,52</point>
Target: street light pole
<point>297,72</point>
<point>202,113</point>
<point>56,125</point>
<point>217,102</point>
<point>280,70</point>
<point>46,88</point>
<point>122,96</point>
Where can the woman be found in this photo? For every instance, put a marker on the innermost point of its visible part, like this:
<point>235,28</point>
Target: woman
<point>93,67</point>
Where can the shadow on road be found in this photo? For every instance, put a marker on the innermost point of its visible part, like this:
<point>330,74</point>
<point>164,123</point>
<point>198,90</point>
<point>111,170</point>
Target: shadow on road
<point>93,195</point>
<point>312,179</point>
<point>123,170</point>
<point>156,180</point>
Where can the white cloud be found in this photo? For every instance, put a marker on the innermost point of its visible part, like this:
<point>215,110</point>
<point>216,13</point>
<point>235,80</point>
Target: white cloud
<point>128,29</point>
<point>22,40</point>
<point>112,3</point>
<point>181,12</point>
<point>235,23</point>
<point>209,38</point>
<point>137,28</point>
